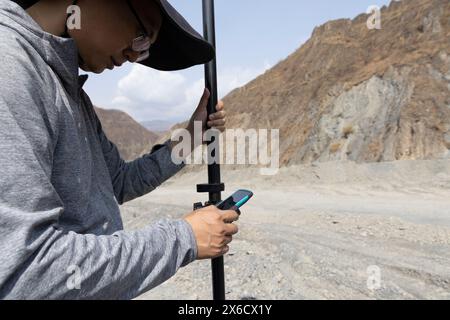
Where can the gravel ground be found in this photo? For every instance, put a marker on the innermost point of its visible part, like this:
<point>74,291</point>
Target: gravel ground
<point>350,234</point>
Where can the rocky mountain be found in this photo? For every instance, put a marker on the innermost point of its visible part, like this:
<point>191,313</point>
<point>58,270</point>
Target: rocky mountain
<point>131,138</point>
<point>359,94</point>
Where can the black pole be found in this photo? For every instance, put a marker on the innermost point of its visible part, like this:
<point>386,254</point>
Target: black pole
<point>214,186</point>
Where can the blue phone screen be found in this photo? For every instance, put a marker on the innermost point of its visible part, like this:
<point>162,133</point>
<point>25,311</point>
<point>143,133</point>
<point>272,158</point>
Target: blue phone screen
<point>238,199</point>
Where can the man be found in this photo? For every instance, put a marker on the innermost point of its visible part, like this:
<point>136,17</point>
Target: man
<point>61,235</point>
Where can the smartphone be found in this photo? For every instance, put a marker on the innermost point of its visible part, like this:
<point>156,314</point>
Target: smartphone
<point>235,201</point>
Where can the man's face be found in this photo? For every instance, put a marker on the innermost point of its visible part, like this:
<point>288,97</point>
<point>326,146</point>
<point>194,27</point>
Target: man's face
<point>108,28</point>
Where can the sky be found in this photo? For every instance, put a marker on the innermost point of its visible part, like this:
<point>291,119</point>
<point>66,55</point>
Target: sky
<point>251,37</point>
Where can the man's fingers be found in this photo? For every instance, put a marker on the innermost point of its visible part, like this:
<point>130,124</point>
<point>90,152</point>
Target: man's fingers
<point>229,216</point>
<point>217,123</point>
<point>227,240</point>
<point>231,229</point>
<point>220,105</point>
<point>225,249</point>
<point>217,115</point>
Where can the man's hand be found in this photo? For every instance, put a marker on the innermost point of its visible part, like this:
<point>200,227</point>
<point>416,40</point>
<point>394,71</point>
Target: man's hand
<point>216,120</point>
<point>213,229</point>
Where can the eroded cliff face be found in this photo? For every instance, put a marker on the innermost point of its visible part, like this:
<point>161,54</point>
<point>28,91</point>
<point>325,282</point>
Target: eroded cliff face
<point>359,94</point>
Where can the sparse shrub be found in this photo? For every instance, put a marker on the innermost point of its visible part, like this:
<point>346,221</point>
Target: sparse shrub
<point>347,130</point>
<point>334,147</point>
<point>374,148</point>
<point>442,127</point>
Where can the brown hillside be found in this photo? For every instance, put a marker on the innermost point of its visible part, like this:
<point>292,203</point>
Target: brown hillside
<point>131,138</point>
<point>359,94</point>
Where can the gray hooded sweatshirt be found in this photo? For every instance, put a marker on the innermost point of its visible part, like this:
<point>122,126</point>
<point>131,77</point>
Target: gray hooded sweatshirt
<point>62,180</point>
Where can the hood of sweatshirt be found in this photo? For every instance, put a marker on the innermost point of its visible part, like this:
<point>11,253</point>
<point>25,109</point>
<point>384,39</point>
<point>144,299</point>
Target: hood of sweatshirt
<point>62,181</point>
<point>60,54</point>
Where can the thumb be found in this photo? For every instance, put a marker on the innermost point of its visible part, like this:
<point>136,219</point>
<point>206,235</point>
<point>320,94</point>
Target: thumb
<point>204,99</point>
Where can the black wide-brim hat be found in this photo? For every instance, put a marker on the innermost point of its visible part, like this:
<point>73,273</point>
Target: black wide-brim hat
<point>178,45</point>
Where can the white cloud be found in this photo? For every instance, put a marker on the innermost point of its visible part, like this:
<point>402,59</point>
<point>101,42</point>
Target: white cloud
<point>148,94</point>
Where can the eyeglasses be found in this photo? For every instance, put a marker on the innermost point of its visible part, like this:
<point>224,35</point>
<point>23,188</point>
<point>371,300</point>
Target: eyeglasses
<point>142,43</point>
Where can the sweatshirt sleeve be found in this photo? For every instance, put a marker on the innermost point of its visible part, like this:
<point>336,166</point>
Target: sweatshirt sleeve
<point>134,179</point>
<point>40,260</point>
